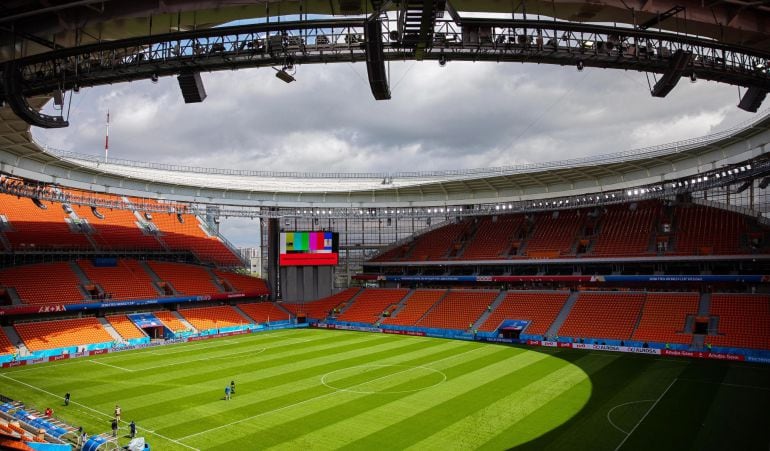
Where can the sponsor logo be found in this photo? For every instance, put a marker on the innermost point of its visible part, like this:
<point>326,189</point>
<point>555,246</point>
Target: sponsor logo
<point>414,333</point>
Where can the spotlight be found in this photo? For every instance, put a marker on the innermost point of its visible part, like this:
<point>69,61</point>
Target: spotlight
<point>284,76</point>
<point>580,65</point>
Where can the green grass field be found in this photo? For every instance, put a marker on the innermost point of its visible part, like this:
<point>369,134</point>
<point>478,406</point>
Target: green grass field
<point>322,389</point>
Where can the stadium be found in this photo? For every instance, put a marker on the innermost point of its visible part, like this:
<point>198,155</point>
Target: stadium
<point>614,301</point>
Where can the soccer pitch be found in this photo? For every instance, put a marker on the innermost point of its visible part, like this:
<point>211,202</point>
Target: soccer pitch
<point>324,389</point>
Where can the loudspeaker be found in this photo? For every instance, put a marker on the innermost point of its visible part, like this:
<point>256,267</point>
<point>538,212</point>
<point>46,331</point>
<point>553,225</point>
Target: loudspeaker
<point>375,60</point>
<point>192,87</point>
<point>752,99</point>
<point>676,66</point>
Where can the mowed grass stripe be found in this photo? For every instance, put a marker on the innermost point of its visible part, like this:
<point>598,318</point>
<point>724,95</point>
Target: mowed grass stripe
<point>217,413</point>
<point>285,424</point>
<point>510,415</point>
<point>280,385</point>
<point>154,383</point>
<point>458,402</point>
<point>362,415</point>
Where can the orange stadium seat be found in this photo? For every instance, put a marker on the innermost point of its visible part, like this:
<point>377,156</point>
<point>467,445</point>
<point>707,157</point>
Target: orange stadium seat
<point>43,283</point>
<point>321,308</point>
<point>62,333</point>
<point>34,228</point>
<point>707,230</point>
<point>555,237</point>
<point>6,347</point>
<point>127,280</point>
<point>626,232</point>
<point>204,318</point>
<point>186,279</point>
<point>117,230</point>
<point>664,315</point>
<point>459,309</point>
<point>368,306</point>
<point>263,312</point>
<point>415,307</point>
<point>610,315</point>
<point>170,321</point>
<point>243,283</point>
<point>540,308</point>
<point>493,238</point>
<point>125,327</point>
<point>744,320</point>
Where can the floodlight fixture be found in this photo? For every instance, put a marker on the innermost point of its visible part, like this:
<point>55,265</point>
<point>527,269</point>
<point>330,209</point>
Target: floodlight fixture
<point>284,76</point>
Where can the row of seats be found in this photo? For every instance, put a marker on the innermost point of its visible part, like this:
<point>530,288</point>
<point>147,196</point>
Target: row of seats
<point>323,307</point>
<point>415,307</point>
<point>125,327</point>
<point>206,318</point>
<point>539,308</point>
<point>30,227</point>
<point>62,333</point>
<point>58,283</point>
<point>744,320</point>
<point>264,312</point>
<point>370,304</point>
<point>615,230</point>
<point>459,309</point>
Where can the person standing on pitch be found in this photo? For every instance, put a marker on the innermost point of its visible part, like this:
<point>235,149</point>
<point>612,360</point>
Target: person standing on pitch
<point>67,399</point>
<point>132,429</point>
<point>232,387</point>
<point>117,412</point>
<point>227,392</point>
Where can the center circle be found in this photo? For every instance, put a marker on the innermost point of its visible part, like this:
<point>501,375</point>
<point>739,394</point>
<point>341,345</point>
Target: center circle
<point>383,379</point>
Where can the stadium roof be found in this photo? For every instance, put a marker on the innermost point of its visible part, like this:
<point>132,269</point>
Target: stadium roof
<point>23,157</point>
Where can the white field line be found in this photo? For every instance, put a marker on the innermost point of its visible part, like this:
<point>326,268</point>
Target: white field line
<point>314,398</point>
<point>96,411</point>
<point>111,366</point>
<point>101,359</point>
<point>609,412</point>
<point>646,413</point>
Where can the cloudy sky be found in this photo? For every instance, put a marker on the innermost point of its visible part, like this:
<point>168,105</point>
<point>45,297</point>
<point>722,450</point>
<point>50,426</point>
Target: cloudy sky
<point>463,115</point>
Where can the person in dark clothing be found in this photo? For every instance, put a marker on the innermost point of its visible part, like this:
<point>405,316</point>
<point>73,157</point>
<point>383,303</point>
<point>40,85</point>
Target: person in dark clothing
<point>132,429</point>
<point>114,427</point>
<point>67,399</point>
<point>232,387</point>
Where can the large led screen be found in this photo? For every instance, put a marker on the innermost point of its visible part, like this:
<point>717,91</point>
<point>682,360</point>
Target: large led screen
<point>309,249</point>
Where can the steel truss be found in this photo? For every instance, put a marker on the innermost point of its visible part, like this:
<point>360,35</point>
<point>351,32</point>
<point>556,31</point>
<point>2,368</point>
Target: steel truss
<point>342,40</point>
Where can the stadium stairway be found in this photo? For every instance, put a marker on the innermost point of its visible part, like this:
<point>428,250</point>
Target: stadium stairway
<point>563,314</point>
<point>483,318</point>
<point>185,322</point>
<point>82,277</point>
<point>15,339</point>
<point>401,303</point>
<point>393,311</point>
<point>244,315</point>
<point>13,295</point>
<point>698,343</point>
<point>437,303</point>
<point>215,281</point>
<point>639,318</point>
<point>704,307</point>
<point>110,330</point>
<point>157,282</point>
<point>346,305</point>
